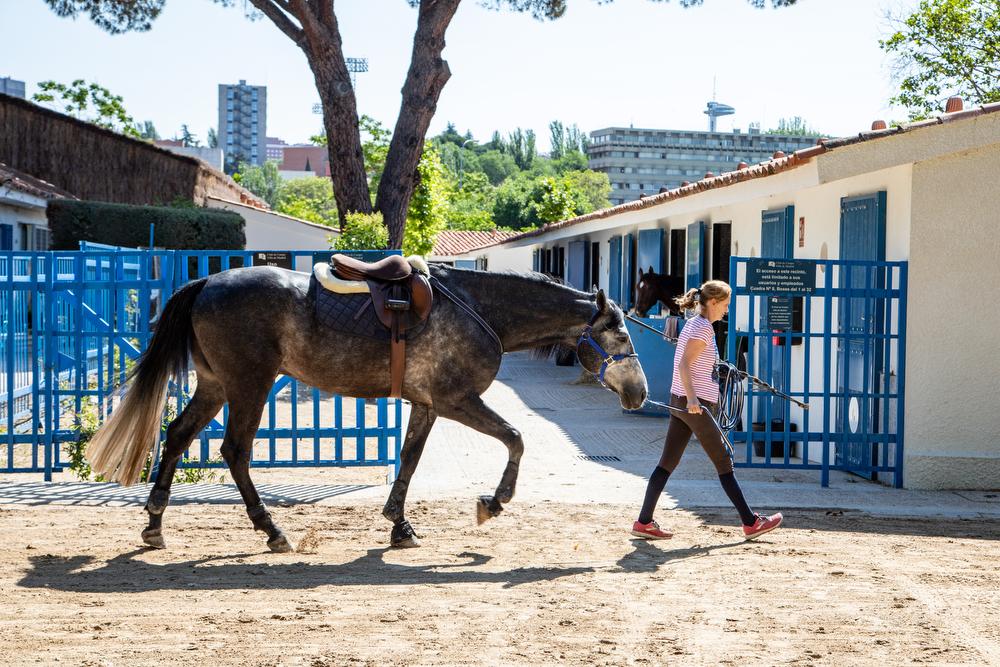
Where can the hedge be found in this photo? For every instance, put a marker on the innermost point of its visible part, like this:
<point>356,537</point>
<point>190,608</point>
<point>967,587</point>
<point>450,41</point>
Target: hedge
<point>128,226</point>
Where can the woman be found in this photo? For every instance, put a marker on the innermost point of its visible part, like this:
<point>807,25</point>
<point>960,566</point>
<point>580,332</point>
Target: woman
<point>693,390</point>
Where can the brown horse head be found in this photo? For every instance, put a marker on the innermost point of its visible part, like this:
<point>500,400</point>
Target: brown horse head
<point>653,287</point>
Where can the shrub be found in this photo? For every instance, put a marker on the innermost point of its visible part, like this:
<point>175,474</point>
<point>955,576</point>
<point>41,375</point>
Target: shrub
<point>128,226</point>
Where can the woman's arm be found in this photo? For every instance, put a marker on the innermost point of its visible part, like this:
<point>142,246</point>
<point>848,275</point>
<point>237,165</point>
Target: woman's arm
<point>694,347</point>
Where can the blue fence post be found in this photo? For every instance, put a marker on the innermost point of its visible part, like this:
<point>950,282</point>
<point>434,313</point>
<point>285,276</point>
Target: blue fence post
<point>897,478</point>
<point>51,362</point>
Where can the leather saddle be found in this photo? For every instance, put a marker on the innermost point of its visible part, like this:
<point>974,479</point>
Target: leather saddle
<point>401,298</point>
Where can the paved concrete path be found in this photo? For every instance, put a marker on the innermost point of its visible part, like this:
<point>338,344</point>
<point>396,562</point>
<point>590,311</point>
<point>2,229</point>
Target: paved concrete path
<point>562,423</point>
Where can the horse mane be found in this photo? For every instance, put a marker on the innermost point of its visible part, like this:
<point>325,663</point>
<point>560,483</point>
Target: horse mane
<point>541,352</point>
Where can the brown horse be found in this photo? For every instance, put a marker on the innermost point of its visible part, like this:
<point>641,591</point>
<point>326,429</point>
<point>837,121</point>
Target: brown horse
<point>653,287</point>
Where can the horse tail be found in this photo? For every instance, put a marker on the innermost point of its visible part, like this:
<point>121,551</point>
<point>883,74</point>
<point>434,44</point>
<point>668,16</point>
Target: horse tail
<point>119,450</point>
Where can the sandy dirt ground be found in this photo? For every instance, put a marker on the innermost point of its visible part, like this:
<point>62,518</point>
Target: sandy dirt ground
<point>545,583</point>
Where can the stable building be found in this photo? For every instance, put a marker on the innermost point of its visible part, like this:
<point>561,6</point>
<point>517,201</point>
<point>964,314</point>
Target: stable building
<point>900,229</point>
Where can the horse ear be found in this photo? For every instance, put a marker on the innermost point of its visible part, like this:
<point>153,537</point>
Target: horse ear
<point>640,274</point>
<point>602,301</point>
<point>650,269</point>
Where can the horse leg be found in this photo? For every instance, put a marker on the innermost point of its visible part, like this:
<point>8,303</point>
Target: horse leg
<point>205,404</point>
<point>422,418</point>
<point>244,419</point>
<point>472,412</point>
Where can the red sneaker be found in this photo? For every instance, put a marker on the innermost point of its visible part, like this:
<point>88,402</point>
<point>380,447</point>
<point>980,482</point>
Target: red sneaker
<point>763,524</point>
<point>650,531</point>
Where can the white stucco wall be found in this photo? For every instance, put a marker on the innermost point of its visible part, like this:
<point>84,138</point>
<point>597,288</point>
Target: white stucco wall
<point>18,209</point>
<point>952,422</point>
<point>266,230</point>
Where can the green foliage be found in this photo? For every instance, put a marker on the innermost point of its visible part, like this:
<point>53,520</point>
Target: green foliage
<point>375,147</point>
<point>554,201</point>
<point>590,190</point>
<point>86,427</point>
<point>572,160</point>
<point>212,139</point>
<point>188,139</point>
<point>128,226</point>
<point>497,166</point>
<point>566,140</point>
<point>88,102</point>
<point>309,198</point>
<point>471,207</point>
<point>201,475</point>
<point>528,200</point>
<point>262,180</point>
<point>520,145</point>
<point>512,207</point>
<point>88,423</point>
<point>146,130</point>
<point>795,127</point>
<point>945,48</point>
<point>363,231</point>
<point>428,206</point>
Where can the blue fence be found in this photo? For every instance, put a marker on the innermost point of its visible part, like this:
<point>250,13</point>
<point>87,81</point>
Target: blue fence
<point>833,335</point>
<point>73,323</point>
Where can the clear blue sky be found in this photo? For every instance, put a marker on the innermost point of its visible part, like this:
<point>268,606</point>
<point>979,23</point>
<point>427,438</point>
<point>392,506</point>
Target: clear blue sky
<point>630,62</point>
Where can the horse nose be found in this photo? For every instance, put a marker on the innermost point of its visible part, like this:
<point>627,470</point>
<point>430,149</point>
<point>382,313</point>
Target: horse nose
<point>642,397</point>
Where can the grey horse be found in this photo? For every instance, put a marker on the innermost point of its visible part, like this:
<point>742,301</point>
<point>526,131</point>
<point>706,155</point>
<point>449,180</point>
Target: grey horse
<point>243,327</point>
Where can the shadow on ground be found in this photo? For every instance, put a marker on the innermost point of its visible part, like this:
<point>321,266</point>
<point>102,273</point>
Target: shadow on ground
<point>126,573</point>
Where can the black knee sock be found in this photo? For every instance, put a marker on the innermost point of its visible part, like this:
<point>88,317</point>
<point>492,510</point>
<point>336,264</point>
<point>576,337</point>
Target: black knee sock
<point>657,481</point>
<point>735,493</point>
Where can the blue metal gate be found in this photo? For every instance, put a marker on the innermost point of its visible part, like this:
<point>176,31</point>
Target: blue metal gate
<point>866,436</point>
<point>72,325</point>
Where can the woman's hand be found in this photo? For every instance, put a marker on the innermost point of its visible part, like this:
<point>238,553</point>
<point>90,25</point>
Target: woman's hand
<point>694,407</point>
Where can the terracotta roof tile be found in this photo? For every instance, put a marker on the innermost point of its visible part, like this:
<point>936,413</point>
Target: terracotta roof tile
<point>22,182</point>
<point>454,242</point>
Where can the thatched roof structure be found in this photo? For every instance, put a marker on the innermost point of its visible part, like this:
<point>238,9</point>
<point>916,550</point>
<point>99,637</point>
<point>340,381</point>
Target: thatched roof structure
<point>97,164</point>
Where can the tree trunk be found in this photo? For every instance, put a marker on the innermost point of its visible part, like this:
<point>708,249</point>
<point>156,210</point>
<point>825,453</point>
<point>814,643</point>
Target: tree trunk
<point>343,138</point>
<point>318,35</point>
<point>426,78</point>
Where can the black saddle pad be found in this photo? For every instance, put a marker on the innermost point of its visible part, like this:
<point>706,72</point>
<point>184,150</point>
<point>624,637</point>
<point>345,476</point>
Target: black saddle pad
<point>352,314</point>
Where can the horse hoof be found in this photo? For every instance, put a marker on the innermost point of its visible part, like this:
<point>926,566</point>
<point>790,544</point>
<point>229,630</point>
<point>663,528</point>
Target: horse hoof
<point>280,545</point>
<point>403,536</point>
<point>406,543</point>
<point>153,538</point>
<point>487,507</point>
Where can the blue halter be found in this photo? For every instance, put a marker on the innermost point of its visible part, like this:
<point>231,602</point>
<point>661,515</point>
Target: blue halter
<point>608,359</point>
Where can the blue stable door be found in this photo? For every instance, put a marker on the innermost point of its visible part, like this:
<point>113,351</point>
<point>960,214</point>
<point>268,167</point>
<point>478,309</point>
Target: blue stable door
<point>615,269</point>
<point>776,242</point>
<point>650,254</point>
<point>576,264</point>
<point>695,255</point>
<point>861,322</point>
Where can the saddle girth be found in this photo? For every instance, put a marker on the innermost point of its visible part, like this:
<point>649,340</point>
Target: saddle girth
<point>402,300</point>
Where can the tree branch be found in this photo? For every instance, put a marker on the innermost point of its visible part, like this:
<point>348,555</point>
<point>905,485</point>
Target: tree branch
<point>275,10</point>
<point>305,13</point>
<point>425,79</point>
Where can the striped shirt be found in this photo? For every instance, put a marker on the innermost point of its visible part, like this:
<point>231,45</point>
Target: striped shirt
<point>701,370</point>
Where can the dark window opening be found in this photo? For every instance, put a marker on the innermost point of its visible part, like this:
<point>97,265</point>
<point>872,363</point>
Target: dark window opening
<point>721,250</point>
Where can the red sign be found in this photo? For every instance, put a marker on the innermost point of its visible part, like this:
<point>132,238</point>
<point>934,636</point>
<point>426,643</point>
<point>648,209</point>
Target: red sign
<point>802,232</point>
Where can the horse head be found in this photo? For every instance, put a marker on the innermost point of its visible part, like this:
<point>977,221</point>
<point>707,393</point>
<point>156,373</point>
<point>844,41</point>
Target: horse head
<point>653,287</point>
<point>605,349</point>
